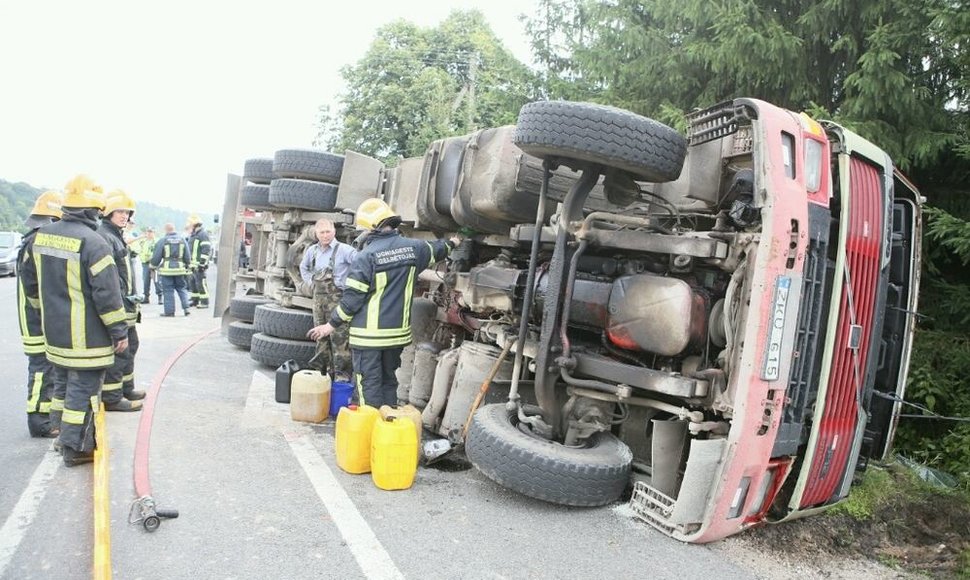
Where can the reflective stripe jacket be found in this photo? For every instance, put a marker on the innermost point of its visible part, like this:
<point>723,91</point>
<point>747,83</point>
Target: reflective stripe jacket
<point>201,248</point>
<point>377,298</point>
<point>119,250</point>
<point>171,256</point>
<point>146,248</point>
<point>28,310</point>
<point>75,279</point>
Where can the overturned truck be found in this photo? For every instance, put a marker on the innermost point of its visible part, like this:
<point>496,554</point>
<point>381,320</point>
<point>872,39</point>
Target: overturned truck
<point>721,322</point>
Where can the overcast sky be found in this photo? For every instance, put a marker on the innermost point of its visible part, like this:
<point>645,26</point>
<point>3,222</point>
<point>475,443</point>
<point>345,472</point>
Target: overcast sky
<point>163,99</point>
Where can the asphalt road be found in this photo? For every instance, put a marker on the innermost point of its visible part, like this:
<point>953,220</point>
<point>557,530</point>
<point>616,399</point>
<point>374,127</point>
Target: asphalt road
<point>261,496</point>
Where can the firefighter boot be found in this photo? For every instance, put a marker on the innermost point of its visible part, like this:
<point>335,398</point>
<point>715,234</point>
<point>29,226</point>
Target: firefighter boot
<point>123,405</point>
<point>135,395</point>
<point>72,457</point>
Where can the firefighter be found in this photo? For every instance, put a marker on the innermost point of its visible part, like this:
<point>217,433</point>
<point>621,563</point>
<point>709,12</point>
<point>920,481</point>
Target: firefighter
<point>40,379</point>
<point>118,392</point>
<point>171,263</point>
<point>377,300</point>
<point>146,247</point>
<point>199,251</point>
<point>74,278</point>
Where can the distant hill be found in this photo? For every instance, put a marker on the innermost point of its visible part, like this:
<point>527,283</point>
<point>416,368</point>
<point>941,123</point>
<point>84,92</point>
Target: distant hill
<point>17,199</point>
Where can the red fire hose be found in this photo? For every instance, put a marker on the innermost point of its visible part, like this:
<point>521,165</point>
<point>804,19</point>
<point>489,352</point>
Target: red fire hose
<point>143,508</point>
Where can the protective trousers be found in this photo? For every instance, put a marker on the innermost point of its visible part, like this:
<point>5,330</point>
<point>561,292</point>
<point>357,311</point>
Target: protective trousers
<point>40,387</point>
<point>80,404</point>
<point>172,285</point>
<point>119,379</point>
<point>59,378</point>
<point>374,375</point>
<point>326,297</point>
<point>198,287</point>
<point>147,274</point>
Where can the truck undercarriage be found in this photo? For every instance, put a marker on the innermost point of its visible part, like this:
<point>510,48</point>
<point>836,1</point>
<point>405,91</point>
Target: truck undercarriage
<point>722,321</point>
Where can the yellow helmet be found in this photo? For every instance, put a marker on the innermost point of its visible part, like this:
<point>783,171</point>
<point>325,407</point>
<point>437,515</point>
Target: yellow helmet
<point>118,200</point>
<point>48,204</point>
<point>82,191</point>
<point>193,220</point>
<point>372,212</point>
<point>47,207</point>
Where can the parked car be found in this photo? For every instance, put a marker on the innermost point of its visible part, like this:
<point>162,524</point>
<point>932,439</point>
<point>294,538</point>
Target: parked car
<point>9,246</point>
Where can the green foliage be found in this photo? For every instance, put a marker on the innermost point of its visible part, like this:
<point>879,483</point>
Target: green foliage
<point>416,85</point>
<point>17,199</point>
<point>895,71</point>
<point>876,489</point>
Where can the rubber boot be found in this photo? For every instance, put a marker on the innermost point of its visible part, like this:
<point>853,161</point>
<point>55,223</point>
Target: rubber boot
<point>124,405</point>
<point>135,395</point>
<point>74,458</point>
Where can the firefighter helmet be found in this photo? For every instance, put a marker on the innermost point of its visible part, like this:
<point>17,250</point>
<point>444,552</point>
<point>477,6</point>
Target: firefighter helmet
<point>47,207</point>
<point>82,192</point>
<point>194,220</point>
<point>118,200</point>
<point>372,214</point>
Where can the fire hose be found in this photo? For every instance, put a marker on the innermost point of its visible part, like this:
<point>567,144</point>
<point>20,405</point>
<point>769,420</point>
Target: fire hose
<point>144,510</point>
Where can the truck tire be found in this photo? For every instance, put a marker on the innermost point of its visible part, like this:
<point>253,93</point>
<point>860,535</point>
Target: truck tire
<point>588,132</point>
<point>272,351</point>
<point>240,334</point>
<point>302,194</point>
<point>244,307</point>
<point>282,322</point>
<point>308,164</point>
<point>255,196</point>
<point>258,170</point>
<point>589,476</point>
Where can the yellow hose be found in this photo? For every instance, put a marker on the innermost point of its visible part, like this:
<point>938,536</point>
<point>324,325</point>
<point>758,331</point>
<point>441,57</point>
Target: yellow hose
<point>102,509</point>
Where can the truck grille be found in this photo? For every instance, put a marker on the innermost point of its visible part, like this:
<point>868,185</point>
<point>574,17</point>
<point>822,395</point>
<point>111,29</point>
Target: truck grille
<point>806,357</point>
<point>837,428</point>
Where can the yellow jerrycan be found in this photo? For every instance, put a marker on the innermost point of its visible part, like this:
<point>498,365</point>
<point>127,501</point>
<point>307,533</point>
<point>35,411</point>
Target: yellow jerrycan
<point>394,453</point>
<point>405,412</point>
<point>353,437</point>
<point>310,396</point>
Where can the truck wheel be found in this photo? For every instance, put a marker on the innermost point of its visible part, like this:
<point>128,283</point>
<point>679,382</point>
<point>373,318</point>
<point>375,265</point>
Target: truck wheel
<point>577,476</point>
<point>308,164</point>
<point>281,322</point>
<point>600,134</point>
<point>255,196</point>
<point>244,307</point>
<point>272,351</point>
<point>303,194</point>
<point>240,334</point>
<point>258,170</point>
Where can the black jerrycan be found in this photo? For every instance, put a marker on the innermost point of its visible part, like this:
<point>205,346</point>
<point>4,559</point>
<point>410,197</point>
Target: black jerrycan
<point>284,377</point>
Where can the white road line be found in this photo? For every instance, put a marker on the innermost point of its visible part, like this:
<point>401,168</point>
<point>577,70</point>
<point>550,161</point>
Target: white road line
<point>261,408</point>
<point>23,513</point>
<point>371,556</point>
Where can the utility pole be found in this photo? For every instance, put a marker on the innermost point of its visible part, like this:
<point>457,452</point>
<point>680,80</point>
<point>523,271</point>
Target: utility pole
<point>472,74</point>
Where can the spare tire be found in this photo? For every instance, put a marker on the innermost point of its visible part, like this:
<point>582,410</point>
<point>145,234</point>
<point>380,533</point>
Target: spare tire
<point>303,194</point>
<point>255,196</point>
<point>244,307</point>
<point>240,334</point>
<point>272,351</point>
<point>308,164</point>
<point>609,136</point>
<point>282,322</point>
<point>258,170</point>
<point>577,476</point>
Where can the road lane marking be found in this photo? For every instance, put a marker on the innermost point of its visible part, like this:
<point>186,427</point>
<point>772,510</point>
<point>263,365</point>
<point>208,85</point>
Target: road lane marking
<point>22,516</point>
<point>261,408</point>
<point>373,559</point>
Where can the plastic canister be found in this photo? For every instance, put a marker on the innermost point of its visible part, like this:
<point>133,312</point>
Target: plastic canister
<point>284,378</point>
<point>340,396</point>
<point>406,412</point>
<point>394,453</point>
<point>309,396</point>
<point>353,437</point>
